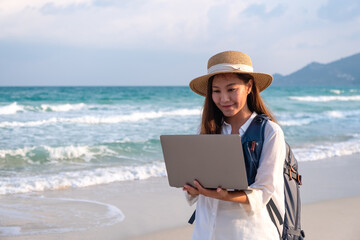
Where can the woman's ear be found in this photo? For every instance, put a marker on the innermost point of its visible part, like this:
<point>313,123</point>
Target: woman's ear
<point>250,85</point>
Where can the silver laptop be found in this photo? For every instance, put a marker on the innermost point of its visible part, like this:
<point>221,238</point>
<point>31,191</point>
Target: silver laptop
<point>214,160</point>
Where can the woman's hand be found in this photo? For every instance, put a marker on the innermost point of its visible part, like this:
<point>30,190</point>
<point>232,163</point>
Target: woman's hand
<point>219,193</point>
<point>191,190</point>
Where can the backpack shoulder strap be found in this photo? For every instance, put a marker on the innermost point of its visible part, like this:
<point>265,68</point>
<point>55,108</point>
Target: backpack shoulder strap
<point>192,218</point>
<point>255,131</point>
<point>252,143</point>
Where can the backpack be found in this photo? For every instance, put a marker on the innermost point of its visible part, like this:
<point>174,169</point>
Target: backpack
<point>252,142</point>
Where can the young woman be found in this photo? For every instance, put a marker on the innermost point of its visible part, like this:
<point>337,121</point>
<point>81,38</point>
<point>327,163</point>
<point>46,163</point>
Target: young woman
<point>232,101</point>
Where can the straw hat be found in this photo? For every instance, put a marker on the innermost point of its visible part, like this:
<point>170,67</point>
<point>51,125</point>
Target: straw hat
<point>229,62</point>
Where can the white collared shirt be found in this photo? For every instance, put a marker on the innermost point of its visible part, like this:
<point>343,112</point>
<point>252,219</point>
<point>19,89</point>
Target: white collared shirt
<point>217,219</point>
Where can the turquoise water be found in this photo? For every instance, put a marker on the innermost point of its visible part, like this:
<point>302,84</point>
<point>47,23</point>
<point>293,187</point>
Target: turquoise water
<point>56,137</point>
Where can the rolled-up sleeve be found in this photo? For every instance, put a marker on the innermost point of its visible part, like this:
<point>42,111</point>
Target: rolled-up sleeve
<point>190,199</point>
<point>269,175</point>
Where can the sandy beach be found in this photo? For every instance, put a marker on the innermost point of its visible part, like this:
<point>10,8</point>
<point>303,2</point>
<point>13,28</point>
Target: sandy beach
<point>150,209</point>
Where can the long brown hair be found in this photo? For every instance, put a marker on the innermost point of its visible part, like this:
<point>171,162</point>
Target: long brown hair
<point>213,118</point>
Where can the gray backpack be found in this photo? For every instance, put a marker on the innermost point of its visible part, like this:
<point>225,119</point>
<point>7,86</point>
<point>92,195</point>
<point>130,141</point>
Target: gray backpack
<point>292,182</point>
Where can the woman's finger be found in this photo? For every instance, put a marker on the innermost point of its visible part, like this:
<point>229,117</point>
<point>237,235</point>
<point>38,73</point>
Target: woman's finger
<point>198,186</point>
<point>190,190</point>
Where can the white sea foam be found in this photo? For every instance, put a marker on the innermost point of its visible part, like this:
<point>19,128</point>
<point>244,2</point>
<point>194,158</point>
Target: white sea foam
<point>12,108</point>
<point>341,114</point>
<point>328,150</point>
<point>336,91</point>
<point>113,212</point>
<point>296,122</point>
<point>69,152</point>
<point>336,114</point>
<point>302,119</point>
<point>22,152</point>
<point>62,107</point>
<point>42,211</point>
<point>8,124</point>
<point>326,98</point>
<point>133,117</point>
<point>10,231</point>
<point>55,154</point>
<point>77,179</point>
<point>84,152</point>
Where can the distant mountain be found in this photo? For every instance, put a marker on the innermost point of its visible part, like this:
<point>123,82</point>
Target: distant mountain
<point>345,71</point>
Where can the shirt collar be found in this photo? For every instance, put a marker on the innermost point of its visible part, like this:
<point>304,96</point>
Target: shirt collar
<point>226,128</point>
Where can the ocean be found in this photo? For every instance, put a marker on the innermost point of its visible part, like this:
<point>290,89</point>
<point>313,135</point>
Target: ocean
<point>54,138</point>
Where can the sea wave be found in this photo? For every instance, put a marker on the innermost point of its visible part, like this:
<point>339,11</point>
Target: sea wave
<point>337,91</point>
<point>14,108</point>
<point>61,107</point>
<point>56,154</point>
<point>326,98</point>
<point>301,119</point>
<point>40,208</point>
<point>133,117</point>
<point>296,122</point>
<point>327,150</point>
<point>106,175</point>
<point>78,179</point>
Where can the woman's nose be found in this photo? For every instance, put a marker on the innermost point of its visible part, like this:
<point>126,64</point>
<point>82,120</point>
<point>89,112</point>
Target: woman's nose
<point>224,97</point>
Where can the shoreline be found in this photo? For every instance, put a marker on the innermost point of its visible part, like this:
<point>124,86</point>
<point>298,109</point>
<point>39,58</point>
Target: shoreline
<point>153,210</point>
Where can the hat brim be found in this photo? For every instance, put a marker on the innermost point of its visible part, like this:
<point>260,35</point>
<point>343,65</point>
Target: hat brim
<point>199,84</point>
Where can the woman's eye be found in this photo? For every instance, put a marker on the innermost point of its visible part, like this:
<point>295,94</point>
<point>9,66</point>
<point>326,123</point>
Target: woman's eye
<point>216,91</point>
<point>231,89</point>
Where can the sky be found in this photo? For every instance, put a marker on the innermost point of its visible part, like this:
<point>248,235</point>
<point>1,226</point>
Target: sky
<point>166,42</point>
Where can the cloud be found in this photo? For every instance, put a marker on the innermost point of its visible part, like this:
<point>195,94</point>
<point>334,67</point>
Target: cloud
<point>138,24</point>
<point>294,33</point>
<point>119,4</point>
<point>344,10</point>
<point>9,7</point>
<point>51,9</point>
<point>259,10</point>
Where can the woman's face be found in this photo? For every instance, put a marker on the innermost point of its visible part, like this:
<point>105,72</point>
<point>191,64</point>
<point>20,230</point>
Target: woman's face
<point>229,93</point>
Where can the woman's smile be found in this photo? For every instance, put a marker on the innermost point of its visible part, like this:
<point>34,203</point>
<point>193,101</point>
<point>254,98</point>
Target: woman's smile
<point>227,106</point>
<point>227,109</point>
